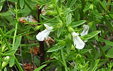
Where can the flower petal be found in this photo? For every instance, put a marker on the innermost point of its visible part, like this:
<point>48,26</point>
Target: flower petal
<point>85,31</point>
<point>77,41</point>
<point>48,27</point>
<point>41,35</point>
<point>80,44</point>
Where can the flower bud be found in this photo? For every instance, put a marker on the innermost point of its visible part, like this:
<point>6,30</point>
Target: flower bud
<point>51,12</point>
<point>72,47</point>
<point>38,27</point>
<point>5,63</point>
<point>70,29</point>
<point>91,6</point>
<point>50,6</point>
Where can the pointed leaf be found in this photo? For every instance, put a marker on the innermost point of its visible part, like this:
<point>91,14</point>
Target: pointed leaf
<point>12,61</point>
<point>17,43</point>
<point>110,53</point>
<point>21,3</point>
<point>78,23</point>
<point>39,68</point>
<point>55,48</point>
<point>91,35</point>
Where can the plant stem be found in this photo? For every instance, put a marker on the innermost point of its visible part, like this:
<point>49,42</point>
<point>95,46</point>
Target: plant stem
<point>16,25</point>
<point>41,43</point>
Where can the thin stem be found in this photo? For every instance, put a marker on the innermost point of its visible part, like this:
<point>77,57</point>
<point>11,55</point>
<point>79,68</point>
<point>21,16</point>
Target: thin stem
<point>41,43</point>
<point>16,25</point>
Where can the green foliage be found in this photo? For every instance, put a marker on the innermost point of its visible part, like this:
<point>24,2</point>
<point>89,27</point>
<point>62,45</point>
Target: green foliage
<point>18,37</point>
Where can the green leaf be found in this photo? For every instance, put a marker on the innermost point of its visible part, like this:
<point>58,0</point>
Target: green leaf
<point>6,13</point>
<point>17,43</point>
<point>68,19</point>
<point>72,3</point>
<point>1,8</point>
<point>5,69</point>
<point>108,23</point>
<point>83,51</point>
<point>12,61</point>
<point>59,31</point>
<point>91,35</point>
<point>87,6</point>
<point>78,23</point>
<point>39,68</point>
<point>10,52</point>
<point>110,53</point>
<point>9,32</point>
<point>21,3</point>
<point>37,61</point>
<point>68,43</point>
<point>107,42</point>
<point>55,48</point>
<point>96,64</point>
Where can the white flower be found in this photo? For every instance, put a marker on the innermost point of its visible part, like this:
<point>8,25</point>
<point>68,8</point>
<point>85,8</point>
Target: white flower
<point>77,41</point>
<point>85,31</point>
<point>7,57</point>
<point>44,34</point>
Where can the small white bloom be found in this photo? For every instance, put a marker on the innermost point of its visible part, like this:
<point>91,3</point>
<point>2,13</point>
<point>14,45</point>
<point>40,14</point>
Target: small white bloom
<point>7,57</point>
<point>77,41</point>
<point>44,34</point>
<point>85,31</point>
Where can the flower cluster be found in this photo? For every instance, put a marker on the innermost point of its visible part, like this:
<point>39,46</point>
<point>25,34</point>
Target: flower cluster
<point>41,36</point>
<point>77,41</point>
